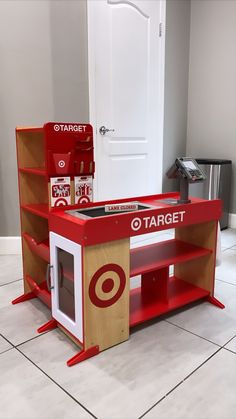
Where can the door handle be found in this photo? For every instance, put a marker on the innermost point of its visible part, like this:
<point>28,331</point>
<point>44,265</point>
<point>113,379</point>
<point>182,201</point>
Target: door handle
<point>103,130</point>
<point>50,287</point>
<point>60,274</point>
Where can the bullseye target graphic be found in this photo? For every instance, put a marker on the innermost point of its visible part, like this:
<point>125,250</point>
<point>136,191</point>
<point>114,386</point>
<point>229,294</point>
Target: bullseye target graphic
<point>83,200</point>
<point>61,164</point>
<point>61,201</point>
<point>107,285</point>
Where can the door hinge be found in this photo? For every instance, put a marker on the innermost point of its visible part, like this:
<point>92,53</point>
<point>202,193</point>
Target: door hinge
<point>160,29</point>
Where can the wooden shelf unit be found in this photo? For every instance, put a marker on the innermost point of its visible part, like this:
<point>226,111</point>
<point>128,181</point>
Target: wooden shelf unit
<point>159,255</point>
<point>180,293</point>
<point>34,205</point>
<point>42,154</point>
<point>160,293</point>
<point>192,253</point>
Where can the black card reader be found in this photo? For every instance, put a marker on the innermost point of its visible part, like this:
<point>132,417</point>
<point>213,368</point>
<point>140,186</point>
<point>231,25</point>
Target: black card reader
<point>188,171</point>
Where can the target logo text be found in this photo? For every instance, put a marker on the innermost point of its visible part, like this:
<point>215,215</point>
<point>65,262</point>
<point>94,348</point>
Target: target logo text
<point>69,128</point>
<point>157,220</point>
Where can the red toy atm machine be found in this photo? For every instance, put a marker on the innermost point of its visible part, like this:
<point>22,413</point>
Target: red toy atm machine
<point>91,265</point>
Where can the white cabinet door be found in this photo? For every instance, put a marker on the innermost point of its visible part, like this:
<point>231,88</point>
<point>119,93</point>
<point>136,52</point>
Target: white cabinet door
<point>126,85</point>
<point>66,283</point>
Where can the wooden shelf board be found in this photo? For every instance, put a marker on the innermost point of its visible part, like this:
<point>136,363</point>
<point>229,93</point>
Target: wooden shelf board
<point>38,209</point>
<point>29,129</point>
<point>159,255</point>
<point>39,248</point>
<point>143,308</point>
<point>34,171</point>
<point>40,290</point>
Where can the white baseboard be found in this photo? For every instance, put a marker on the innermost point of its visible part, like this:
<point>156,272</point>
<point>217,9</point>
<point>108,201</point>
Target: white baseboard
<point>10,245</point>
<point>232,220</point>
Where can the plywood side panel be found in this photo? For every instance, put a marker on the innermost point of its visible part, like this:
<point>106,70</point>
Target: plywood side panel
<point>33,189</point>
<point>200,272</point>
<point>30,149</point>
<point>109,325</point>
<point>36,226</point>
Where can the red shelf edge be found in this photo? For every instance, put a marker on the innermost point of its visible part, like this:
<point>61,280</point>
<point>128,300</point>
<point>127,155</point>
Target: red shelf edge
<point>40,290</point>
<point>33,170</point>
<point>144,309</point>
<point>29,129</point>
<point>37,209</point>
<point>41,248</point>
<point>194,253</point>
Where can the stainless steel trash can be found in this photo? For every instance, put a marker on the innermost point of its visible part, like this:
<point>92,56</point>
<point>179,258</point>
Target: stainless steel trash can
<point>216,186</point>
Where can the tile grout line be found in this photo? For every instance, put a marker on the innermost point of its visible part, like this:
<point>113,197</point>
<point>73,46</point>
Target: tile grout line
<point>181,382</point>
<point>177,385</point>
<point>22,353</point>
<point>11,282</point>
<point>26,341</point>
<point>228,342</point>
<point>7,340</point>
<point>57,384</point>
<point>29,340</point>
<point>6,350</point>
<point>230,350</point>
<point>228,248</point>
<point>227,349</point>
<point>225,282</point>
<point>195,334</point>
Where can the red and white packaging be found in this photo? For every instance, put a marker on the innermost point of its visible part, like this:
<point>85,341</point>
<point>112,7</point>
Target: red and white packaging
<point>60,191</point>
<point>83,189</point>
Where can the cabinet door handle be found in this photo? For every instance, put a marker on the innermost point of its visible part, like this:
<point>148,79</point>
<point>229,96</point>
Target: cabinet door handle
<point>50,287</point>
<point>60,274</point>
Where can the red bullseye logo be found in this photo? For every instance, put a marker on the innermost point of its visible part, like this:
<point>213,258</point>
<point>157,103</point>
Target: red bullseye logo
<point>83,200</point>
<point>60,202</point>
<point>113,280</point>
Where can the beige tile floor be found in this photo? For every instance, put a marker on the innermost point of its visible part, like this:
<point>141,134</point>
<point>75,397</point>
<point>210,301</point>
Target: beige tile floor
<point>181,366</point>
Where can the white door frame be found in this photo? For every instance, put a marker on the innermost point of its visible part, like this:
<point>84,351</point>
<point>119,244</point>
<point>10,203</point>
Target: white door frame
<point>92,85</point>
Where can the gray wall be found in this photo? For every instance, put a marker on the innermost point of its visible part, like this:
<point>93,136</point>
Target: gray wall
<point>25,91</point>
<point>68,34</point>
<point>212,82</point>
<point>43,77</point>
<point>176,84</point>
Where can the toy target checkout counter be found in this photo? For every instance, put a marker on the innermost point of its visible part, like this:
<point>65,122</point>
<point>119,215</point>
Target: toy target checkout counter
<point>91,262</point>
<point>76,254</point>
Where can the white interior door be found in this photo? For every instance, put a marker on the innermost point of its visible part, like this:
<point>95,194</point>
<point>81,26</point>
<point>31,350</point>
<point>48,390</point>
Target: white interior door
<point>126,83</point>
